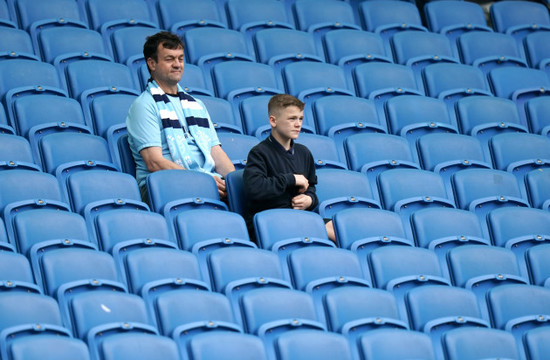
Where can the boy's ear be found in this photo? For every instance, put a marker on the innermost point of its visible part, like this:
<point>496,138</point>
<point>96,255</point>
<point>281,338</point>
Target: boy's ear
<point>272,121</point>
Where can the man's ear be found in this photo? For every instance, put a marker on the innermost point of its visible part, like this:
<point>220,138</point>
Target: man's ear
<point>272,121</point>
<point>151,63</point>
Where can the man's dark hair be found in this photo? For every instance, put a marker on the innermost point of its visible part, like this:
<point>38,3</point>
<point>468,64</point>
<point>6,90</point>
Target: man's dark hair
<point>167,39</point>
<point>281,101</point>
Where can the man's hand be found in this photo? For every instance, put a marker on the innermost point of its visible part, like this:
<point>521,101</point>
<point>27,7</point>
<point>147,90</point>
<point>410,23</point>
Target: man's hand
<point>301,202</point>
<point>220,183</point>
<point>301,183</point>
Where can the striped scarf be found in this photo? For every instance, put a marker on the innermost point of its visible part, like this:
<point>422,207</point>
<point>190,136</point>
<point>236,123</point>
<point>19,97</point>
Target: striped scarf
<point>176,135</point>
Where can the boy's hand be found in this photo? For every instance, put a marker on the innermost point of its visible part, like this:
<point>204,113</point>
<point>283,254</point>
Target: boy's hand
<point>301,183</point>
<point>301,202</point>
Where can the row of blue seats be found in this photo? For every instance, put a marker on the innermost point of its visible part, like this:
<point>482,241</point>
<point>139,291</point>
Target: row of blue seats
<point>258,301</point>
<point>237,81</point>
<point>480,195</point>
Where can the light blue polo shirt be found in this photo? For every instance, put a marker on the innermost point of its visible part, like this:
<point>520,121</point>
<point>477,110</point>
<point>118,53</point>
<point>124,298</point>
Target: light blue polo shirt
<point>145,130</point>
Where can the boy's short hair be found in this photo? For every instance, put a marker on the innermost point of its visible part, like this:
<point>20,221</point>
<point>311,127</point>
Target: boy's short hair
<point>167,39</point>
<point>281,101</point>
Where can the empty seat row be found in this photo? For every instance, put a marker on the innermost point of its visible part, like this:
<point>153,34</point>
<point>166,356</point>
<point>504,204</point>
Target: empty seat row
<point>432,309</point>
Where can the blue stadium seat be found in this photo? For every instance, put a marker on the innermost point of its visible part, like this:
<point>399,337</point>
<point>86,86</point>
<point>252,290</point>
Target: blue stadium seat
<point>90,79</point>
<point>399,269</point>
<point>340,116</point>
<point>61,45</point>
<point>279,47</point>
<point>519,18</point>
<point>341,189</point>
<point>195,14</point>
<point>481,190</point>
<point>127,47</point>
<point>309,81</point>
<point>452,19</point>
<point>324,151</point>
<point>106,17</point>
<point>211,312</point>
<point>485,116</point>
<point>442,229</point>
<point>387,18</point>
<point>537,52</point>
<point>122,155</point>
<point>480,268</point>
<point>436,309</point>
<point>318,344</point>
<point>238,80</point>
<point>410,117</point>
<point>234,186</point>
<point>382,81</point>
<point>518,308</point>
<point>134,346</point>
<point>354,311</point>
<point>64,153</point>
<point>15,43</point>
<point>539,273</point>
<point>250,16</point>
<point>348,48</point>
<point>451,82</point>
<point>174,191</point>
<point>202,51</point>
<point>270,312</point>
<point>38,78</point>
<point>536,109</point>
<point>387,344</point>
<point>489,50</point>
<point>519,229</point>
<point>152,271</point>
<point>35,16</point>
<point>195,234</point>
<point>538,191</point>
<point>48,347</point>
<point>226,346</point>
<point>38,230</point>
<point>480,343</point>
<point>408,190</point>
<point>318,17</point>
<point>520,154</point>
<point>519,85</point>
<point>447,153</point>
<point>236,271</point>
<point>94,191</point>
<point>536,343</point>
<point>373,153</point>
<point>221,114</point>
<point>23,190</point>
<point>62,270</point>
<point>277,230</point>
<point>237,146</point>
<point>16,153</point>
<point>120,231</point>
<point>316,270</point>
<point>417,49</point>
<point>363,230</point>
<point>16,273</point>
<point>28,316</point>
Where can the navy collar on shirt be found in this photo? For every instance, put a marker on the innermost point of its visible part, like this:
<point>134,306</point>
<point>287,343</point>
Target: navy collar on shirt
<point>281,147</point>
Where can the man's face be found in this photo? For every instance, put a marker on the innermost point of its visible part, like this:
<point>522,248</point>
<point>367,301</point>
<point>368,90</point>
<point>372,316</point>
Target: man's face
<point>168,68</point>
<point>287,123</point>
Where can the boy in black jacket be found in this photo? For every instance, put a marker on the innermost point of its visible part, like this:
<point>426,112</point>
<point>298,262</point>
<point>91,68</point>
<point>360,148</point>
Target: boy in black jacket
<point>280,173</point>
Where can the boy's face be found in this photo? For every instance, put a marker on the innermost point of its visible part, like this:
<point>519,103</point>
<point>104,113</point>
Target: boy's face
<point>287,122</point>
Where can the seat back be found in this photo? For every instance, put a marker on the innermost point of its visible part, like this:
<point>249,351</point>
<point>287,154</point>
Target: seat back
<point>396,343</point>
<point>196,13</point>
<point>137,345</point>
<point>237,146</point>
<point>324,151</point>
<point>468,343</point>
<point>15,151</point>
<point>322,345</point>
<point>536,108</point>
<point>537,188</point>
<point>226,346</point>
<point>61,43</point>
